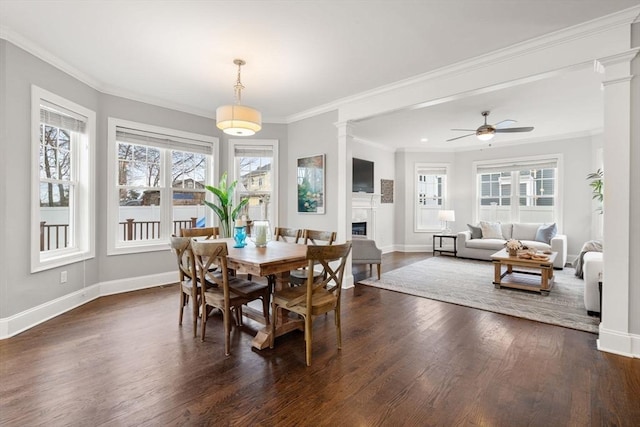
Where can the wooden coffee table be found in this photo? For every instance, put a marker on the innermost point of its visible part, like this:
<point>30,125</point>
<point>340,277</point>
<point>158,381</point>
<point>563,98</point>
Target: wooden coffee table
<point>538,275</point>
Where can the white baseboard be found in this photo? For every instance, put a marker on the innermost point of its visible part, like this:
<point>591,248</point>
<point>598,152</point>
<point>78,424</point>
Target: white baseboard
<point>13,325</point>
<point>622,343</point>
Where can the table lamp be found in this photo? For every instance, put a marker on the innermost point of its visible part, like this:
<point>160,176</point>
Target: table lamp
<point>446,217</point>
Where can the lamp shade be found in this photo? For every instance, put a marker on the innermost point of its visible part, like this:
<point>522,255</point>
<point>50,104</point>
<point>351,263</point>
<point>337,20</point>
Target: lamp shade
<point>238,120</point>
<point>446,215</point>
<point>485,135</point>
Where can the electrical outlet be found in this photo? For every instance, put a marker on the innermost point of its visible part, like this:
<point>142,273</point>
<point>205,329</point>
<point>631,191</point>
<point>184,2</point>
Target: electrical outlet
<point>63,276</point>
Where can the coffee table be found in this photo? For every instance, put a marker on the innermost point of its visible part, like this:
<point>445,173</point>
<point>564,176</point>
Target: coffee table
<point>538,275</point>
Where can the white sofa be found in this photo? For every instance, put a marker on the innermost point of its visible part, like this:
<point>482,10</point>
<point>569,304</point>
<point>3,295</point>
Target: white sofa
<point>592,271</point>
<point>483,248</point>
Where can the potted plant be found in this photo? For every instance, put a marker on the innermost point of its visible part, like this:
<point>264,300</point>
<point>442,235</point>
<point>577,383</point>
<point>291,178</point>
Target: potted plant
<point>597,186</point>
<point>224,209</point>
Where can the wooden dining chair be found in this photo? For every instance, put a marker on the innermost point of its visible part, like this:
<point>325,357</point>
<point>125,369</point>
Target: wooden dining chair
<point>189,288</point>
<point>291,235</point>
<point>311,237</point>
<point>315,298</point>
<point>244,287</point>
<point>219,295</point>
<point>208,232</point>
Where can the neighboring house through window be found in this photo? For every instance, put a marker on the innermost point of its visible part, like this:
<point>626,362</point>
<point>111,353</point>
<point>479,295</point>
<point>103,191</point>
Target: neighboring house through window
<point>159,177</point>
<point>63,166</point>
<point>255,166</point>
<point>430,195</point>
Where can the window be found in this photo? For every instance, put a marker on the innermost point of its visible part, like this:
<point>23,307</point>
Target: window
<point>255,166</point>
<point>430,195</point>
<point>523,190</point>
<point>62,213</point>
<point>159,177</point>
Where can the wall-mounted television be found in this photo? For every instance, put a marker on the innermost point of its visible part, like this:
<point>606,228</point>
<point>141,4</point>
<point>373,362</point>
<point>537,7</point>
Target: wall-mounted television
<point>362,176</point>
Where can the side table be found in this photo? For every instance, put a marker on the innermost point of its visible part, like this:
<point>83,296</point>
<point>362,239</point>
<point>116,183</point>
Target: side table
<point>442,249</point>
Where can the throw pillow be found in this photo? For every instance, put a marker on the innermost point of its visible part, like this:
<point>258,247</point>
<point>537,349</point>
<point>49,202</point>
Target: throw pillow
<point>476,232</point>
<point>491,230</point>
<point>546,232</point>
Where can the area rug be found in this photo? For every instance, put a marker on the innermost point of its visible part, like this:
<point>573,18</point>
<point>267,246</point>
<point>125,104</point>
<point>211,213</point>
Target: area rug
<point>470,283</point>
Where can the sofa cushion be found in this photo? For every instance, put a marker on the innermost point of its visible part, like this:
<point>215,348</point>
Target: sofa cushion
<point>534,244</point>
<point>546,232</point>
<point>491,230</point>
<point>493,244</point>
<point>476,231</point>
<point>525,231</point>
<point>507,230</point>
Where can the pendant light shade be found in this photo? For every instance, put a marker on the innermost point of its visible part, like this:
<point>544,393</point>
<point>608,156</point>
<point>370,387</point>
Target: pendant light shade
<point>236,119</point>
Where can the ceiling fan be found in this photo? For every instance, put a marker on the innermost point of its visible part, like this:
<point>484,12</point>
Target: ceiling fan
<point>486,132</point>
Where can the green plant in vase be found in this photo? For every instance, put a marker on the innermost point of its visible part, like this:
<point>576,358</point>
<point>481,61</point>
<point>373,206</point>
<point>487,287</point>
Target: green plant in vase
<point>597,186</point>
<point>224,209</point>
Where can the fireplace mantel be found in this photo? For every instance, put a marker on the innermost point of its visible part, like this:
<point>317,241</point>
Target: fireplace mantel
<point>363,209</point>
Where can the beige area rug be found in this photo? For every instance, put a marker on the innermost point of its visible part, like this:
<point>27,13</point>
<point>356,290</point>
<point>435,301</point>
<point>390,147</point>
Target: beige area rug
<point>470,283</point>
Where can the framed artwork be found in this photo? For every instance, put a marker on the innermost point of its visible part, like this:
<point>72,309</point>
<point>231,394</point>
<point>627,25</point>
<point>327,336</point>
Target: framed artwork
<point>386,185</point>
<point>311,184</point>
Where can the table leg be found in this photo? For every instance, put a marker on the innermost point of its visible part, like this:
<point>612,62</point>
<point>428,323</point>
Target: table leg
<point>497,273</point>
<point>284,323</point>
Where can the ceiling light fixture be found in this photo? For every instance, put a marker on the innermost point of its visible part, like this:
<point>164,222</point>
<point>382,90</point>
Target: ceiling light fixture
<point>236,119</point>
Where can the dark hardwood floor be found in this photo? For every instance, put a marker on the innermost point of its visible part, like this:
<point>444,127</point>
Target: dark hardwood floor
<point>122,360</point>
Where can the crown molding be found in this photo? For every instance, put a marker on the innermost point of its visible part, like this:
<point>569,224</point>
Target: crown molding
<point>583,30</point>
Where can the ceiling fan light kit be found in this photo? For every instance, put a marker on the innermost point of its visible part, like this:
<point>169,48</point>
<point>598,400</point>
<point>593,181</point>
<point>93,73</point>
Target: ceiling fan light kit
<point>486,132</point>
<point>236,119</point>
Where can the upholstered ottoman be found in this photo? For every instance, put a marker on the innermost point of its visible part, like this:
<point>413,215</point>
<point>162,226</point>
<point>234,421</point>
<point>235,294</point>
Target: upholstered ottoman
<point>592,269</point>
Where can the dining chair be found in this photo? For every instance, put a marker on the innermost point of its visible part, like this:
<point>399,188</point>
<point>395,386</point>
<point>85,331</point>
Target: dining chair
<point>244,287</point>
<point>208,232</point>
<point>311,237</point>
<point>291,235</point>
<point>314,298</point>
<point>189,288</point>
<point>220,295</point>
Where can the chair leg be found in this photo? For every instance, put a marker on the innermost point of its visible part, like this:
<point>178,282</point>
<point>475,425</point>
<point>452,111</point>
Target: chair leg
<point>308,334</point>
<point>338,331</point>
<point>265,307</point>
<point>203,323</point>
<point>182,303</point>
<point>378,271</point>
<point>226,319</point>
<point>194,312</point>
<point>272,338</point>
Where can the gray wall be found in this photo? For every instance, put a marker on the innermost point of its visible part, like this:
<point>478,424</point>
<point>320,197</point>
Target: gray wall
<point>19,289</point>
<point>634,197</point>
<point>385,213</point>
<point>308,137</point>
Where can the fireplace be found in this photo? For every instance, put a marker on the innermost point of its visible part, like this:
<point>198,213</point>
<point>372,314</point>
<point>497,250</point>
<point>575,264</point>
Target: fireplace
<point>359,228</point>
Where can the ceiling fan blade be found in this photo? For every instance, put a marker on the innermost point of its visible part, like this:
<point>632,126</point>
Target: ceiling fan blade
<point>510,130</point>
<point>465,130</point>
<point>463,136</point>
<point>504,124</point>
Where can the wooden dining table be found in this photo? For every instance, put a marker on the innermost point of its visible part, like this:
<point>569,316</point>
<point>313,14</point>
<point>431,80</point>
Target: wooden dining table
<point>274,262</point>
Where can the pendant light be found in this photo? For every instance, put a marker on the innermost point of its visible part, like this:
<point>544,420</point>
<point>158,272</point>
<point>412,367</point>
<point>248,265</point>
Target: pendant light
<point>236,119</point>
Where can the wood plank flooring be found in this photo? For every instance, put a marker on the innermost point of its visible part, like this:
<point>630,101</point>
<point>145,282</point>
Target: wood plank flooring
<point>122,360</point>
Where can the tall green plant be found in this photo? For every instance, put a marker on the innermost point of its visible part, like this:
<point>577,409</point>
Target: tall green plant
<point>224,209</point>
<point>597,186</point>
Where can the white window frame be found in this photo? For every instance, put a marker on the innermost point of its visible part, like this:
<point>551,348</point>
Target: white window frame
<point>524,162</point>
<point>114,245</point>
<point>437,169</point>
<point>82,206</point>
<point>273,143</point>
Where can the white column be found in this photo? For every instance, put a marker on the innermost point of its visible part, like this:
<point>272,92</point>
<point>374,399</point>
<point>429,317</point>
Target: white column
<point>345,153</point>
<point>615,336</point>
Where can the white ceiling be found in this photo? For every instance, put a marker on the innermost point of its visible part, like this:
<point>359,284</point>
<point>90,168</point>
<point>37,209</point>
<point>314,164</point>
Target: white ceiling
<point>303,55</point>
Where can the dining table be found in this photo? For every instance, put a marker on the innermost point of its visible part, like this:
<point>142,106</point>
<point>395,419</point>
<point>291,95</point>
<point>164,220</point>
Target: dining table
<point>273,261</point>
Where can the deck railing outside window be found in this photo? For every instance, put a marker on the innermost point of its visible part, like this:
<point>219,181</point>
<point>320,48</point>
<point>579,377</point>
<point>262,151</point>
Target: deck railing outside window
<point>56,236</point>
